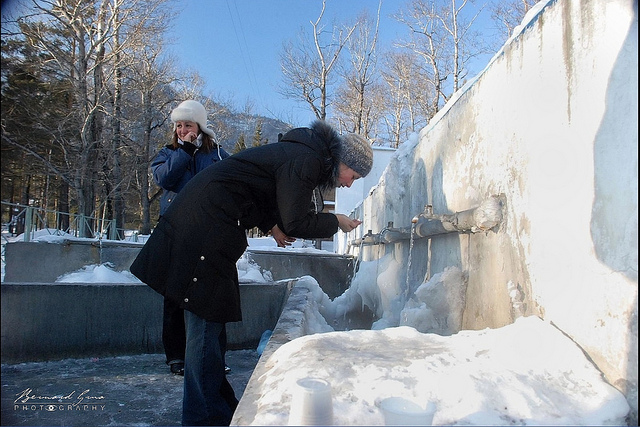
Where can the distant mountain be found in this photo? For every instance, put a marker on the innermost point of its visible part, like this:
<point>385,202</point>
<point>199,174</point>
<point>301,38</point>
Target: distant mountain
<point>235,124</point>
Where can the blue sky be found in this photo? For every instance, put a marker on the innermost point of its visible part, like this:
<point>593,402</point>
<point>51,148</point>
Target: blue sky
<point>238,44</point>
<point>235,45</point>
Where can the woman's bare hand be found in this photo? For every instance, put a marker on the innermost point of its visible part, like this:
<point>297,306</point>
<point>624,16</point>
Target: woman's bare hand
<point>281,239</point>
<point>347,224</point>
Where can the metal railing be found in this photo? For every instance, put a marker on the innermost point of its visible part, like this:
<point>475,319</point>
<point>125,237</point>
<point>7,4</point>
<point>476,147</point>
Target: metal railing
<point>28,220</point>
<point>32,221</point>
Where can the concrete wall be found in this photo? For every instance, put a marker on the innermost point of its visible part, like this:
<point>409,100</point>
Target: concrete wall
<point>43,320</point>
<point>291,324</point>
<point>551,126</point>
<point>56,259</point>
<point>55,321</point>
<point>332,271</point>
<point>347,198</point>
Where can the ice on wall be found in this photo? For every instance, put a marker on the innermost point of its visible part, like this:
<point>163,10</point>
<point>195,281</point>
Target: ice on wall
<point>435,307</point>
<point>437,304</point>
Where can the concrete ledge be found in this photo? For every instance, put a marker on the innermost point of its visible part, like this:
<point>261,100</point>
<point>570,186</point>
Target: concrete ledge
<point>46,320</point>
<point>49,321</point>
<point>332,271</point>
<point>262,305</point>
<point>55,259</point>
<point>291,325</point>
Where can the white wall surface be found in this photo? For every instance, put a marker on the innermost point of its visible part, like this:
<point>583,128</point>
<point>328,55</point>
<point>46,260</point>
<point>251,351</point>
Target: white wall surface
<point>348,198</point>
<point>551,125</point>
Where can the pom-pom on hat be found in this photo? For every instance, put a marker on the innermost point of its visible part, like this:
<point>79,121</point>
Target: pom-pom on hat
<point>191,111</point>
<point>356,153</point>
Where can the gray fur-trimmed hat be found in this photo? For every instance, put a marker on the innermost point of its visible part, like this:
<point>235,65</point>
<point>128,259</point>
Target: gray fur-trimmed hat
<point>356,153</point>
<point>191,111</point>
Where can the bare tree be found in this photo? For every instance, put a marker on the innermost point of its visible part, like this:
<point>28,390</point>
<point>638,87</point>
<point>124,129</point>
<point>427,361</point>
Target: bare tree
<point>91,48</point>
<point>405,96</point>
<point>80,43</point>
<point>149,79</point>
<point>307,69</point>
<point>355,108</point>
<point>34,115</point>
<point>445,42</point>
<point>428,42</point>
<point>141,23</point>
<point>117,211</point>
<point>507,14</point>
<point>464,40</point>
<point>72,36</point>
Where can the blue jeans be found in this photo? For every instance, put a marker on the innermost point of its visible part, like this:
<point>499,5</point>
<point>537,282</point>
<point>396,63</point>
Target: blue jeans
<point>208,397</point>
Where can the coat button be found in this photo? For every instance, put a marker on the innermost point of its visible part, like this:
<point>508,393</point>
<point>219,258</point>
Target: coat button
<point>201,257</point>
<point>186,300</point>
<point>195,279</point>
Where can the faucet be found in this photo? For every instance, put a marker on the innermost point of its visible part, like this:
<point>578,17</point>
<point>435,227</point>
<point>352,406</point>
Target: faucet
<point>427,224</point>
<point>389,234</point>
<point>426,213</point>
<point>481,218</point>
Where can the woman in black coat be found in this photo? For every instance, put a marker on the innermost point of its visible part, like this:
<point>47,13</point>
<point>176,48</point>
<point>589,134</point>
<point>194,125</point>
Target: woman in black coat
<point>192,253</point>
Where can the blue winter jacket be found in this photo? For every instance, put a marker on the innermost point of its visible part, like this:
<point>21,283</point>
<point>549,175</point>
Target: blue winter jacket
<point>173,167</point>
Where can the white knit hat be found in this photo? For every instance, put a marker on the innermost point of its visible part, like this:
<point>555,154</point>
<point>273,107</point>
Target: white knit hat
<point>356,153</point>
<point>191,111</point>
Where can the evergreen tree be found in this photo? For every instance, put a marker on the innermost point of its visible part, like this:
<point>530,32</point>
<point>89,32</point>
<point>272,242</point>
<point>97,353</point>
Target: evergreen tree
<point>257,135</point>
<point>240,144</point>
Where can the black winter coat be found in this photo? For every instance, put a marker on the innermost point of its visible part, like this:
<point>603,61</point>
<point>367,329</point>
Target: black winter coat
<point>191,255</point>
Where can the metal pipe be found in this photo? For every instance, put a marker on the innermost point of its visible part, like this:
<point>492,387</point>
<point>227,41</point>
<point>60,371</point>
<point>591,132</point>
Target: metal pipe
<point>386,235</point>
<point>427,224</point>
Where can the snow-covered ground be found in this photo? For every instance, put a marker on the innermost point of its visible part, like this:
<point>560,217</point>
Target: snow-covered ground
<point>525,373</point>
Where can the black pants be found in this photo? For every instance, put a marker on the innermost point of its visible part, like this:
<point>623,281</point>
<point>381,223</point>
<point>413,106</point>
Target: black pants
<point>173,332</point>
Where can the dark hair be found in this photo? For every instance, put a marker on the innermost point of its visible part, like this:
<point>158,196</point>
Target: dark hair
<point>208,143</point>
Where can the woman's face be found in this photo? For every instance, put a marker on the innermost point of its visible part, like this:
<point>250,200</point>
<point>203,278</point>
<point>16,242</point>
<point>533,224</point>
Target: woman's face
<point>184,128</point>
<point>346,175</point>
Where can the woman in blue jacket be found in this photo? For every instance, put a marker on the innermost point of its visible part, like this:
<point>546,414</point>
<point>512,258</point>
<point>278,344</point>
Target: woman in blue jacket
<point>191,150</point>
